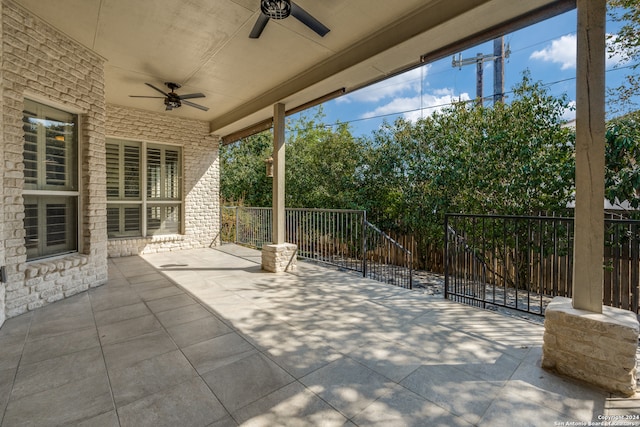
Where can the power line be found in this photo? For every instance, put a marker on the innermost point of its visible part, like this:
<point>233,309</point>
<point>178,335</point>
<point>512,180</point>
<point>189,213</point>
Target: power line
<point>447,104</point>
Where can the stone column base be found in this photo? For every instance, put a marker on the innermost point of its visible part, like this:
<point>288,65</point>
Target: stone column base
<point>596,348</point>
<point>279,258</point>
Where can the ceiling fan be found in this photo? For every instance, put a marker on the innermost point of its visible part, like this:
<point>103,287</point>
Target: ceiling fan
<point>281,9</point>
<point>172,99</point>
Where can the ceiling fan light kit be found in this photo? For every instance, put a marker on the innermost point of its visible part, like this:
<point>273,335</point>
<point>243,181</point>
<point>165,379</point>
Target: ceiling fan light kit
<point>281,9</point>
<point>172,100</point>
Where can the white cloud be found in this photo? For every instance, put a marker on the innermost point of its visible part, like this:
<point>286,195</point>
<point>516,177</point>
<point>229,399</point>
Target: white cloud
<point>389,88</point>
<point>413,108</point>
<point>563,51</point>
<point>569,112</point>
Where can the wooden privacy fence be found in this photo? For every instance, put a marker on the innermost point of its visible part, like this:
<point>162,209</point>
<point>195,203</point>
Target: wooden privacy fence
<point>523,262</point>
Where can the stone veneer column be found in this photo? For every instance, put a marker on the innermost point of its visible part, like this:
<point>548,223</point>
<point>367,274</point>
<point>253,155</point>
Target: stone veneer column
<point>599,348</point>
<point>280,256</point>
<point>581,339</point>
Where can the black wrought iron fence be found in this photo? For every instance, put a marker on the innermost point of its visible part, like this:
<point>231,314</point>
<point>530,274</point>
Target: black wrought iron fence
<point>339,237</point>
<point>523,262</point>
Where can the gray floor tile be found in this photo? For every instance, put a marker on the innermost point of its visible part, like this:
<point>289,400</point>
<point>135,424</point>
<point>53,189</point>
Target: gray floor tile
<point>301,357</point>
<point>119,314</point>
<point>46,329</point>
<point>78,400</point>
<point>107,419</point>
<point>153,294</point>
<point>105,299</point>
<point>246,380</point>
<point>18,325</point>
<point>347,385</point>
<point>169,303</point>
<point>11,347</point>
<point>150,376</point>
<point>197,331</point>
<point>6,384</point>
<point>181,315</point>
<point>59,345</point>
<point>217,352</point>
<point>515,410</point>
<point>292,405</point>
<point>457,391</point>
<point>127,329</point>
<point>188,404</point>
<point>51,373</point>
<point>151,277</point>
<point>576,400</point>
<point>77,305</point>
<point>400,407</point>
<point>388,359</point>
<point>127,353</point>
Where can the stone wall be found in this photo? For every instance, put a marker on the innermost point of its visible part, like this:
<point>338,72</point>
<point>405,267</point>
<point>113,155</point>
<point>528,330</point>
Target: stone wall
<point>599,348</point>
<point>42,64</point>
<point>201,177</point>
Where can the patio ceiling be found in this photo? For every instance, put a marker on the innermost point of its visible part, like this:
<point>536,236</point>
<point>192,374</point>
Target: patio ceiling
<point>204,45</point>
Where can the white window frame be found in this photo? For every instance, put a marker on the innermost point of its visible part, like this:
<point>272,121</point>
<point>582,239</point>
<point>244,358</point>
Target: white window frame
<point>43,192</point>
<point>145,202</point>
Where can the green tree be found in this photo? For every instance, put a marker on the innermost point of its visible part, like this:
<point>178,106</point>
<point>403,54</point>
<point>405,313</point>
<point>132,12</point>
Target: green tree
<point>243,174</point>
<point>322,163</point>
<point>626,44</point>
<point>622,174</point>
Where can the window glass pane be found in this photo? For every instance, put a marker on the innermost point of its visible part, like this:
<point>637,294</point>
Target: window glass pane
<point>163,219</point>
<point>57,223</point>
<point>131,165</point>
<point>113,171</point>
<point>30,128</point>
<point>31,226</point>
<point>50,148</point>
<point>123,221</point>
<point>172,174</point>
<point>50,225</point>
<point>113,221</point>
<point>123,170</point>
<point>132,219</point>
<point>154,173</point>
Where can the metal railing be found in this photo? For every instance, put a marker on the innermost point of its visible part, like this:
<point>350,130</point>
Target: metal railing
<point>338,237</point>
<point>523,262</point>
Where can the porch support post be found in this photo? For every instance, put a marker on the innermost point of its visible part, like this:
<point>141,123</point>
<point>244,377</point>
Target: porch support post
<point>279,256</point>
<point>278,174</point>
<point>582,339</point>
<point>588,273</point>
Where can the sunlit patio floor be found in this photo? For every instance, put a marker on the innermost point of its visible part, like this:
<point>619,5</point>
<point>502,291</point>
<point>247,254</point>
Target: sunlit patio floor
<point>205,338</point>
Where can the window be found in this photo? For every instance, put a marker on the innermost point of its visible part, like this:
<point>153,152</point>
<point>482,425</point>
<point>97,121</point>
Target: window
<point>131,211</point>
<point>50,180</point>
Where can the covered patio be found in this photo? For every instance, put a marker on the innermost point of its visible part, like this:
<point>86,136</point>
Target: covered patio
<point>205,337</point>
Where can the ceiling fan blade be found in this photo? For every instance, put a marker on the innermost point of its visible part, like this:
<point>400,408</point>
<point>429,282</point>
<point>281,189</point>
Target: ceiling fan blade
<point>193,104</point>
<point>191,95</point>
<point>308,20</point>
<point>142,96</point>
<point>259,26</point>
<point>159,90</point>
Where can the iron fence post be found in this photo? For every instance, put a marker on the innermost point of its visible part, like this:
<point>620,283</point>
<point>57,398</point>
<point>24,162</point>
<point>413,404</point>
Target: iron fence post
<point>237,225</point>
<point>446,255</point>
<point>364,243</point>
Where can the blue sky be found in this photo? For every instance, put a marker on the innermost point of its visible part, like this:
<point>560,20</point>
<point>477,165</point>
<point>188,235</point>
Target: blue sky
<point>547,49</point>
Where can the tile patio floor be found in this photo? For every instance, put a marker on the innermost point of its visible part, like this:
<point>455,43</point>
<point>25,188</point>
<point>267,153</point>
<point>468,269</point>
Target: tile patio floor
<point>205,338</point>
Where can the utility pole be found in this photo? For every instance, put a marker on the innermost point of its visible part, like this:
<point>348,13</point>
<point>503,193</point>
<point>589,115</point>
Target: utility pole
<point>498,56</point>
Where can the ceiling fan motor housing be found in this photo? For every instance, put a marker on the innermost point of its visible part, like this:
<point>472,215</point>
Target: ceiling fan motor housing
<point>276,9</point>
